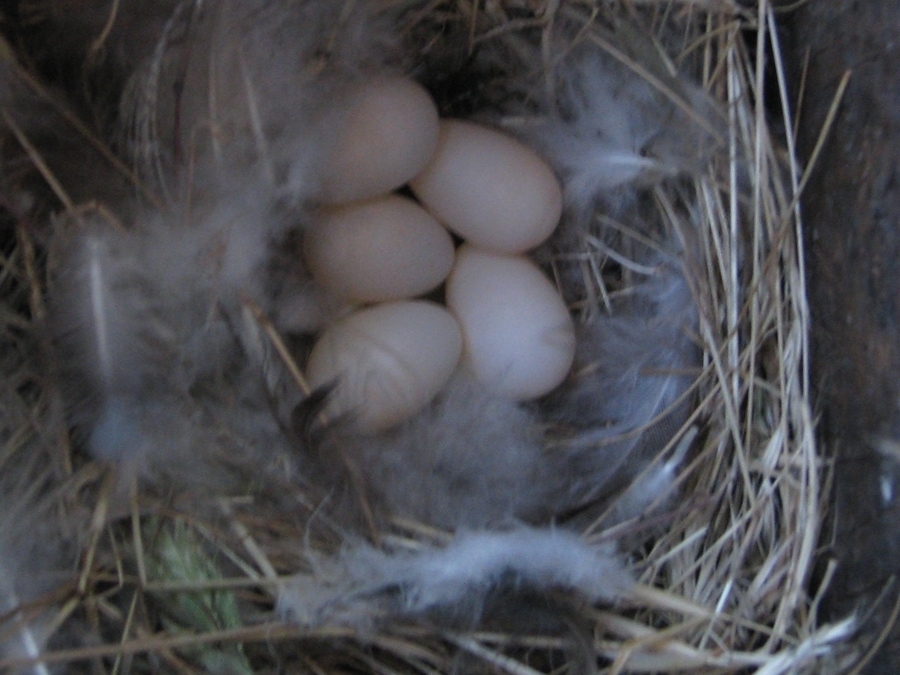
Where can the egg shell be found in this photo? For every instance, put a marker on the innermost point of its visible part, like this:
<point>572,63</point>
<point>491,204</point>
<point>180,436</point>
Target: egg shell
<point>374,251</point>
<point>387,361</point>
<point>389,133</point>
<point>489,188</point>
<point>519,339</point>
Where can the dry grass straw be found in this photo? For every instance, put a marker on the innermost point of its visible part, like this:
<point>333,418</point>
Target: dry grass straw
<point>726,588</point>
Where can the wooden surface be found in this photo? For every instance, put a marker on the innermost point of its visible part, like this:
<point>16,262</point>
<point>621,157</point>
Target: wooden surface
<point>852,212</point>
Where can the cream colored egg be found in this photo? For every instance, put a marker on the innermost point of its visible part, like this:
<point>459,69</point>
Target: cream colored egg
<point>489,188</point>
<point>387,361</point>
<point>383,249</point>
<point>389,133</point>
<point>519,337</point>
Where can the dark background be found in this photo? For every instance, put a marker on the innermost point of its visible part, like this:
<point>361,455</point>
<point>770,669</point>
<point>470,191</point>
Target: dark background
<point>852,218</point>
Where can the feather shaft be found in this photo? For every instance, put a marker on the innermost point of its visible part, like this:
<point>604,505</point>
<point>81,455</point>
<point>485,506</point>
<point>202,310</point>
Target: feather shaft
<point>99,300</point>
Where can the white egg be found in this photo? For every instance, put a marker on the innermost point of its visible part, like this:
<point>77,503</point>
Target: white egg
<point>387,362</point>
<point>389,133</point>
<point>383,249</point>
<point>519,337</point>
<point>489,188</point>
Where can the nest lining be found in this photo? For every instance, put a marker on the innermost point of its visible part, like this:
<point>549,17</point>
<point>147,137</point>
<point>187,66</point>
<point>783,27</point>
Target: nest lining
<point>724,573</point>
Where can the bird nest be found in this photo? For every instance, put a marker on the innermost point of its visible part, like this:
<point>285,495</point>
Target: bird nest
<point>187,562</point>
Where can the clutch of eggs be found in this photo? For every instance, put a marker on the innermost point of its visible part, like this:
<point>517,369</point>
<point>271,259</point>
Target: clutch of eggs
<point>506,322</point>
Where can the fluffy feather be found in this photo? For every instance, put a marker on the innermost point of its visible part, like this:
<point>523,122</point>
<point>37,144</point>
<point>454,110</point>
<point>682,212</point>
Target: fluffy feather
<point>608,128</point>
<point>107,311</point>
<point>627,396</point>
<point>364,584</point>
<point>610,113</point>
<point>469,460</point>
<point>153,332</point>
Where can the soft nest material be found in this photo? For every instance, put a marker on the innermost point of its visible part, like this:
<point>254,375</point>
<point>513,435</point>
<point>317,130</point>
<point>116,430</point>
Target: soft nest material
<point>179,312</point>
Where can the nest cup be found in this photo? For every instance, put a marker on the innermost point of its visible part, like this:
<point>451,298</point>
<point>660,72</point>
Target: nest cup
<point>146,575</point>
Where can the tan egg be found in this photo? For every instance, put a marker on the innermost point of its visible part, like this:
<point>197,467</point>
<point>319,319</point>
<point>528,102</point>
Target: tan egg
<point>388,248</point>
<point>519,337</point>
<point>489,188</point>
<point>390,133</point>
<point>387,362</point>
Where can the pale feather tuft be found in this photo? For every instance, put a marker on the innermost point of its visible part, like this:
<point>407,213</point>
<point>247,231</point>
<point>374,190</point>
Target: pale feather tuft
<point>364,585</point>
